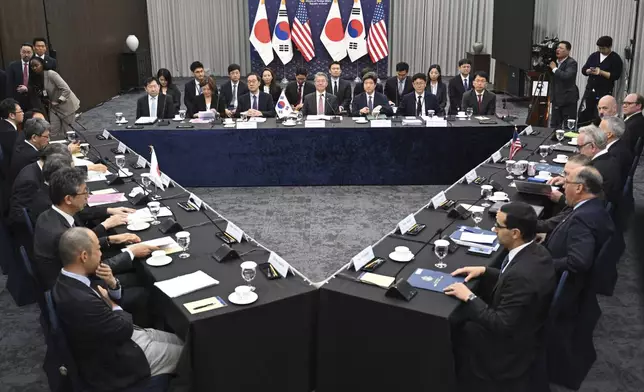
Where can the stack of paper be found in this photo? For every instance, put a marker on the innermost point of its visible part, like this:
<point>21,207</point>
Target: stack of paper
<point>257,119</point>
<point>93,176</point>
<point>318,117</point>
<point>168,244</point>
<point>109,198</point>
<point>471,236</point>
<point>413,121</point>
<point>144,214</point>
<point>186,284</point>
<point>145,120</point>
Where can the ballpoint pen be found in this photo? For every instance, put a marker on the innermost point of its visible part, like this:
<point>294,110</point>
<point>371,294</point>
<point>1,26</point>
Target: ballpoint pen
<point>204,306</point>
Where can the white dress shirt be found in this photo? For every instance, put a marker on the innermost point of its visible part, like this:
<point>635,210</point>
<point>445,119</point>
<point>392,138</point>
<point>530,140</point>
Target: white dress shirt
<point>434,88</point>
<point>559,65</point>
<point>197,88</point>
<point>512,254</point>
<point>602,58</point>
<point>581,203</point>
<point>267,89</point>
<point>114,294</point>
<point>34,147</point>
<point>600,153</point>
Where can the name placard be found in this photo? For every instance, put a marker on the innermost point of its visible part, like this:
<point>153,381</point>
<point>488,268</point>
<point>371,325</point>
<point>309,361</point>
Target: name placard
<point>235,231</point>
<point>407,223</point>
<point>165,180</point>
<point>246,125</point>
<point>439,199</point>
<point>141,162</point>
<point>496,157</point>
<point>106,134</point>
<point>471,176</point>
<point>195,200</point>
<point>314,124</point>
<point>362,258</point>
<point>279,264</point>
<point>122,148</point>
<point>380,123</point>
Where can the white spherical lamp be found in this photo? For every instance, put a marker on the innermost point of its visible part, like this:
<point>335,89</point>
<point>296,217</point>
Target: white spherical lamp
<point>132,43</point>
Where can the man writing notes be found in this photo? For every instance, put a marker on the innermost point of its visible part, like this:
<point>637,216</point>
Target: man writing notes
<point>400,85</point>
<point>481,101</point>
<point>419,102</point>
<point>296,91</point>
<point>497,345</point>
<point>564,93</point>
<point>255,103</point>
<point>364,103</point>
<point>458,85</point>
<point>320,102</point>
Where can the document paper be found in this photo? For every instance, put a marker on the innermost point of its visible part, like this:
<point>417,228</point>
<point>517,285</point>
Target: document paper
<point>186,284</point>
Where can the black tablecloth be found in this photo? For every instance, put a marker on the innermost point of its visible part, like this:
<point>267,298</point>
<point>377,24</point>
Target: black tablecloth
<point>340,154</point>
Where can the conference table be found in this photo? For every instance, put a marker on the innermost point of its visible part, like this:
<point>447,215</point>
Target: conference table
<point>368,341</point>
<point>234,348</point>
<point>344,153</point>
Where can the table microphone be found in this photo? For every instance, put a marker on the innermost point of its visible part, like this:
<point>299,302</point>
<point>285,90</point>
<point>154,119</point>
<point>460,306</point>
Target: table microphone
<point>163,122</point>
<point>336,117</point>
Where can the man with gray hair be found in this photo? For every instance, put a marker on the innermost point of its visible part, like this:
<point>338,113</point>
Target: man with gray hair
<point>592,142</point>
<point>614,128</point>
<point>111,352</point>
<point>320,102</point>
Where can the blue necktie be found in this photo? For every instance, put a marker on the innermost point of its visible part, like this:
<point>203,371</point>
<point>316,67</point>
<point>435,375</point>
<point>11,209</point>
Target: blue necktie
<point>465,84</point>
<point>255,102</point>
<point>505,262</point>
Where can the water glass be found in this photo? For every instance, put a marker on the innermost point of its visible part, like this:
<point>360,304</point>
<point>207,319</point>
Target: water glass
<point>570,124</point>
<point>84,148</point>
<point>509,167</point>
<point>560,135</point>
<point>154,207</point>
<point>249,270</point>
<point>441,247</point>
<point>183,240</point>
<point>544,151</point>
<point>120,161</point>
<point>146,181</point>
<point>469,112</point>
<point>477,217</point>
<point>431,113</point>
<point>182,114</point>
<point>486,192</point>
<point>71,136</point>
<point>522,167</point>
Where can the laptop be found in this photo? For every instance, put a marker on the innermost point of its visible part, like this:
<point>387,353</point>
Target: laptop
<point>533,188</point>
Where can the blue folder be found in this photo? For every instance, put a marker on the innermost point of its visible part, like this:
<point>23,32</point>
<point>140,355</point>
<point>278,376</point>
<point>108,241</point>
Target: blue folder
<point>432,280</point>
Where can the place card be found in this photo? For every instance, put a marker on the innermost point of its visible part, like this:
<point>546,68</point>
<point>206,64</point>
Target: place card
<point>141,162</point>
<point>362,258</point>
<point>496,157</point>
<point>406,224</point>
<point>314,124</point>
<point>279,264</point>
<point>471,176</point>
<point>528,131</point>
<point>122,148</point>
<point>436,122</point>
<point>246,125</point>
<point>438,200</point>
<point>195,200</point>
<point>165,180</point>
<point>235,232</point>
<point>106,134</point>
<point>380,123</point>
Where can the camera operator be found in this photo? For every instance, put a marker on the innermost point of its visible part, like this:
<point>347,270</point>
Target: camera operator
<point>602,68</point>
<point>564,93</point>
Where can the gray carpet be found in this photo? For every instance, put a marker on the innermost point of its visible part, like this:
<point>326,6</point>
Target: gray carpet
<point>318,229</point>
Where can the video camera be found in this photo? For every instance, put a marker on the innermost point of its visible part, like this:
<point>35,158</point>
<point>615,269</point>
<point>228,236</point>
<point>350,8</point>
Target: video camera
<point>543,53</point>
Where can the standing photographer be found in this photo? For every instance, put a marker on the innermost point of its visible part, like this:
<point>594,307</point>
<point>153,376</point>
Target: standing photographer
<point>603,68</point>
<point>564,93</point>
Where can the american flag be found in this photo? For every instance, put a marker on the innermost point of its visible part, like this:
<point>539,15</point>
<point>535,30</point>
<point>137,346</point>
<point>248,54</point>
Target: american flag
<point>516,145</point>
<point>377,45</point>
<point>302,32</point>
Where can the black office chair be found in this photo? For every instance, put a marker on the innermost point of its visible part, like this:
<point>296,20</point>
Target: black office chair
<point>604,270</point>
<point>38,289</point>
<point>18,282</point>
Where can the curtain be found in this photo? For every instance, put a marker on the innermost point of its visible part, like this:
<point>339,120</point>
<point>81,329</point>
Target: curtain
<point>212,31</point>
<point>424,32</point>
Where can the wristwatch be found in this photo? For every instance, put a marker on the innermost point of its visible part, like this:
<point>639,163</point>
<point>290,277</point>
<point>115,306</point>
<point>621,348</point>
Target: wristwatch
<point>471,297</point>
<point>118,285</point>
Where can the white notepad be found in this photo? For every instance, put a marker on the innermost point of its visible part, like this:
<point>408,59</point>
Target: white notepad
<point>478,238</point>
<point>186,284</point>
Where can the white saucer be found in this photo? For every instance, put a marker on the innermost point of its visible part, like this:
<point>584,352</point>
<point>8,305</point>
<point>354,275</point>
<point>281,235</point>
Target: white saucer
<point>572,144</point>
<point>124,121</point>
<point>176,119</point>
<point>457,116</point>
<point>362,121</point>
<point>159,261</point>
<point>289,124</point>
<point>123,174</point>
<point>401,259</point>
<point>558,161</point>
<point>250,298</point>
<point>139,226</point>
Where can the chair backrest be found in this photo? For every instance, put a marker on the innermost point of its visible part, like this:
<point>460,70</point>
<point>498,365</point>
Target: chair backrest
<point>27,263</point>
<point>554,305</point>
<point>604,270</point>
<point>638,148</point>
<point>28,223</point>
<point>609,208</point>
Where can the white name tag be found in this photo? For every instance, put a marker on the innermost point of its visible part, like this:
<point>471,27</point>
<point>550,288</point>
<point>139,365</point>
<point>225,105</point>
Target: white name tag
<point>436,123</point>
<point>407,223</point>
<point>141,162</point>
<point>246,125</point>
<point>362,258</point>
<point>380,123</point>
<point>314,124</point>
<point>106,134</point>
<point>279,264</point>
<point>235,231</point>
<point>195,200</point>
<point>122,148</point>
<point>165,180</point>
<point>439,199</point>
<point>471,176</point>
<point>528,131</point>
<point>496,156</point>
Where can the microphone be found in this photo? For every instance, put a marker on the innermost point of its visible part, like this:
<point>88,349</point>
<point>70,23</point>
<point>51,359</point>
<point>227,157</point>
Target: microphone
<point>217,120</point>
<point>336,117</point>
<point>508,117</point>
<point>161,121</point>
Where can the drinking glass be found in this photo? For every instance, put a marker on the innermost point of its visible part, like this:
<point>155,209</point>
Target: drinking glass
<point>183,240</point>
<point>244,116</point>
<point>146,181</point>
<point>182,114</point>
<point>509,167</point>
<point>477,217</point>
<point>84,148</point>
<point>469,112</point>
<point>560,135</point>
<point>299,117</point>
<point>544,151</point>
<point>431,113</point>
<point>154,207</point>
<point>486,192</point>
<point>570,124</point>
<point>119,117</point>
<point>249,270</point>
<point>441,247</point>
<point>71,136</point>
<point>522,166</point>
<point>120,162</point>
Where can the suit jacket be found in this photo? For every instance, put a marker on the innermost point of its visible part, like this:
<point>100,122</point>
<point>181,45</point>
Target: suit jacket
<point>408,104</point>
<point>441,95</point>
<point>455,91</point>
<point>360,102</point>
<point>50,63</point>
<point>165,107</point>
<point>58,91</point>
<point>227,92</point>
<point>343,94</point>
<point>189,96</point>
<point>265,104</point>
<point>311,104</point>
<point>622,153</point>
<point>563,90</point>
<point>26,188</point>
<point>634,131</point>
<point>99,338</point>
<point>613,184</point>
<point>23,154</point>
<point>174,92</point>
<point>488,103</point>
<point>291,92</point>
<point>50,226</point>
<point>199,105</point>
<point>8,137</point>
<point>503,335</point>
<point>391,89</point>
<point>14,79</point>
<point>359,89</point>
<point>274,90</point>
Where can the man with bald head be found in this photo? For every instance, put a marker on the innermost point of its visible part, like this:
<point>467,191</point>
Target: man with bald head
<point>632,109</point>
<point>607,106</point>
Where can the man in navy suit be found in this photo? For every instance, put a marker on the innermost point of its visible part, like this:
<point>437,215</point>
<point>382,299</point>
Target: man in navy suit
<point>458,85</point>
<point>18,77</point>
<point>574,245</point>
<point>192,89</point>
<point>255,103</point>
<point>320,102</point>
<point>418,103</point>
<point>364,103</point>
<point>40,49</point>
<point>232,90</point>
<point>481,101</point>
<point>153,104</point>
<point>396,87</point>
<point>339,87</point>
<point>564,93</point>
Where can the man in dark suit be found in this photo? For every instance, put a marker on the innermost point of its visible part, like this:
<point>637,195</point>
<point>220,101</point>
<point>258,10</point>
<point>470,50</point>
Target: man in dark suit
<point>499,342</point>
<point>482,102</point>
<point>564,93</point>
<point>11,115</point>
<point>320,102</point>
<point>400,85</point>
<point>36,132</point>
<point>154,104</point>
<point>632,109</point>
<point>614,128</point>
<point>296,91</point>
<point>419,102</point>
<point>68,193</point>
<point>192,89</point>
<point>18,77</point>
<point>592,143</point>
<point>364,103</point>
<point>359,88</point>
<point>111,352</point>
<point>458,85</point>
<point>40,50</point>
<point>339,87</point>
<point>574,245</point>
<point>255,103</point>
<point>233,89</point>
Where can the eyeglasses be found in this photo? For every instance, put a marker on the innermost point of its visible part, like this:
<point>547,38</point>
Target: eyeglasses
<point>499,226</point>
<point>584,145</point>
<point>82,193</point>
<point>566,182</point>
<point>625,103</point>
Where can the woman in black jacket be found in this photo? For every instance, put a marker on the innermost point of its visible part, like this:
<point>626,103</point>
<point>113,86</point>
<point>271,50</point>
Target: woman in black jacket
<point>168,88</point>
<point>270,85</point>
<point>436,86</point>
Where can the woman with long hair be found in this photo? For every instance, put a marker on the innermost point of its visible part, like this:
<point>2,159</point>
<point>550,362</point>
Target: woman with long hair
<point>436,86</point>
<point>208,99</point>
<point>269,84</point>
<point>168,88</point>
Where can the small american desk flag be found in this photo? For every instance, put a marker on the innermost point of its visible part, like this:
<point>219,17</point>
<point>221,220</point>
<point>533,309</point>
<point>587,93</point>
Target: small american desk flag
<point>516,145</point>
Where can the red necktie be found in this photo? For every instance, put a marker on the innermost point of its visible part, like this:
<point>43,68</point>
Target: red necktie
<point>25,74</point>
<point>321,105</point>
<point>480,103</point>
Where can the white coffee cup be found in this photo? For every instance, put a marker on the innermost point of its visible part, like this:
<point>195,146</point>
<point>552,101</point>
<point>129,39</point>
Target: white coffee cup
<point>544,173</point>
<point>242,291</point>
<point>562,157</point>
<point>573,140</point>
<point>461,114</point>
<point>402,250</point>
<point>500,195</point>
<point>158,253</point>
